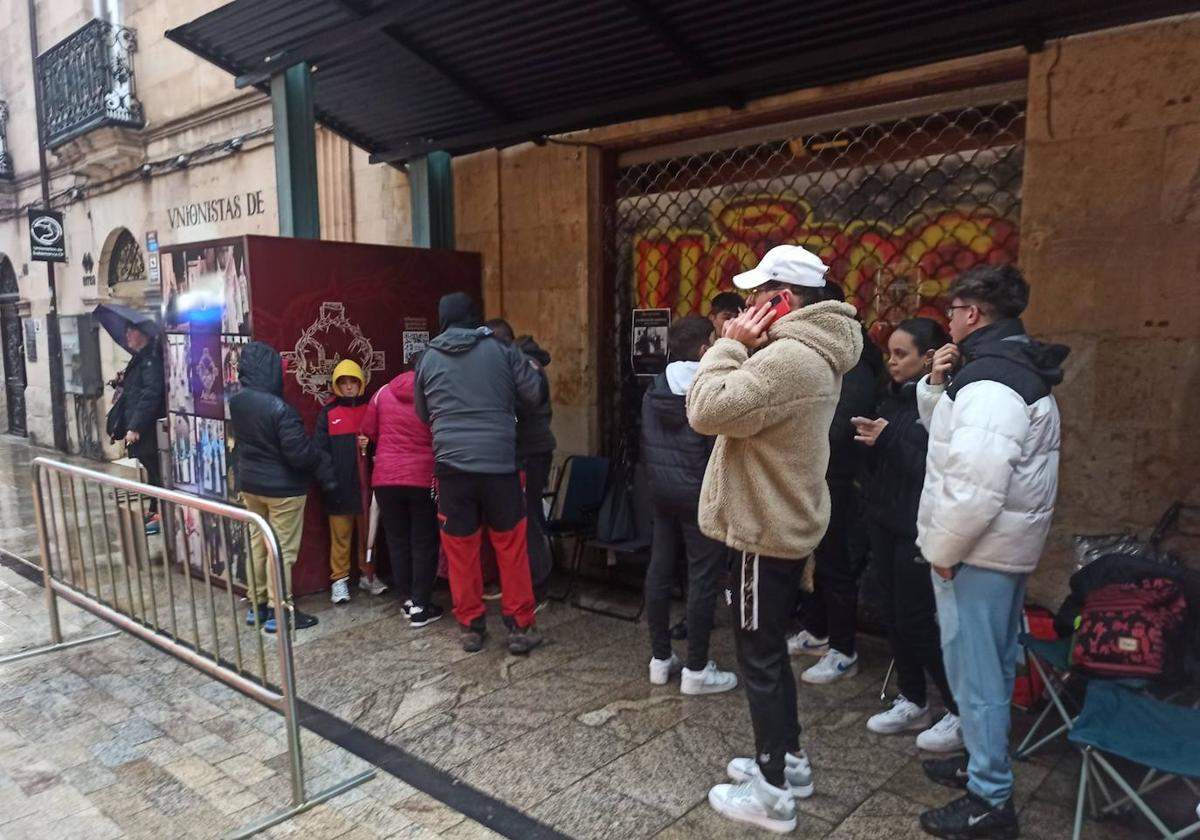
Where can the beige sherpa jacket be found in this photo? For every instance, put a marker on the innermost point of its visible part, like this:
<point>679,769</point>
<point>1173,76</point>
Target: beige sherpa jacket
<point>764,490</point>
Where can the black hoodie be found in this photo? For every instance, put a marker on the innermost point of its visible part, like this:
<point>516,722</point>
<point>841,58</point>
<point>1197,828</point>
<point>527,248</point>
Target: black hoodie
<point>469,388</point>
<point>895,465</point>
<point>534,436</point>
<point>672,453</point>
<point>275,456</point>
<point>1002,352</point>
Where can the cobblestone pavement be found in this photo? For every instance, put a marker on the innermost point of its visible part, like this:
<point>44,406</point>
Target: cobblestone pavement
<point>114,739</point>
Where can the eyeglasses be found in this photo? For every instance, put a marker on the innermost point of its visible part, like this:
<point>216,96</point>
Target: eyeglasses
<point>950,309</point>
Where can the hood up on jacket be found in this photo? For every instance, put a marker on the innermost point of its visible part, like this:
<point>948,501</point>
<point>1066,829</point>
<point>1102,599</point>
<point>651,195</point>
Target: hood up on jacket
<point>261,368</point>
<point>527,345</point>
<point>402,386</point>
<point>1003,352</point>
<point>458,309</point>
<point>830,328</point>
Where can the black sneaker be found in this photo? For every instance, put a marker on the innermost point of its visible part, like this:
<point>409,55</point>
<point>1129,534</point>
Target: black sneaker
<point>420,616</point>
<point>971,818</point>
<point>264,613</point>
<point>301,621</point>
<point>473,639</point>
<point>948,772</point>
<point>522,640</point>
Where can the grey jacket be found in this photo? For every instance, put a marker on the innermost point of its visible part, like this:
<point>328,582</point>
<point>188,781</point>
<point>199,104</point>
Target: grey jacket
<point>469,388</point>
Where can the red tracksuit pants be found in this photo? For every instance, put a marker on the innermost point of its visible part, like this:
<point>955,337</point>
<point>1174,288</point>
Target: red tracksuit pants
<point>469,504</point>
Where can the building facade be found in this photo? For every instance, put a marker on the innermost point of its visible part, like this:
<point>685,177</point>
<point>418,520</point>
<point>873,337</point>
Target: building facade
<point>1079,160</point>
<point>147,146</point>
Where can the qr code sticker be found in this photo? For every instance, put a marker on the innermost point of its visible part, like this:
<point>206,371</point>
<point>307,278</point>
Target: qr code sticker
<point>415,342</point>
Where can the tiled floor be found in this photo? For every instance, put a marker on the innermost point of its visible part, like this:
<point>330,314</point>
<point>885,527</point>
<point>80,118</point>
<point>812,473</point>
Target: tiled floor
<point>116,740</point>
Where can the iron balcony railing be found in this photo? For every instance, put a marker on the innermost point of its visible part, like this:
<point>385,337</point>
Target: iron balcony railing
<point>87,82</point>
<point>6,164</point>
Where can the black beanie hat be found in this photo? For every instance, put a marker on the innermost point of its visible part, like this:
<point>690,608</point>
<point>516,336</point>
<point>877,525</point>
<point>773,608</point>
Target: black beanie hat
<point>457,309</point>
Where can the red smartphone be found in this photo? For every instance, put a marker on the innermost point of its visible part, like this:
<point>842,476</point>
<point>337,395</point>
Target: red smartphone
<point>780,306</point>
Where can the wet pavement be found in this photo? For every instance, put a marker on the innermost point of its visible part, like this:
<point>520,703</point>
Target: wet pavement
<point>572,736</point>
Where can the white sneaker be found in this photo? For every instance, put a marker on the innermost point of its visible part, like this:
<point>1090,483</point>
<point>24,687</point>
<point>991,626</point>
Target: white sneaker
<point>340,593</point>
<point>902,717</point>
<point>797,770</point>
<point>372,584</point>
<point>944,736</point>
<point>661,670</point>
<point>833,666</point>
<point>707,681</point>
<point>757,803</point>
<point>807,644</point>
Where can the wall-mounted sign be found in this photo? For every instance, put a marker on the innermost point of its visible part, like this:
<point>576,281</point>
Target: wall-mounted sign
<point>47,242</point>
<point>152,258</point>
<point>227,208</point>
<point>649,341</point>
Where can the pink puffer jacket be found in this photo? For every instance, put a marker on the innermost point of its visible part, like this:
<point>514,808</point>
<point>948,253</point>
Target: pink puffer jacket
<point>403,444</point>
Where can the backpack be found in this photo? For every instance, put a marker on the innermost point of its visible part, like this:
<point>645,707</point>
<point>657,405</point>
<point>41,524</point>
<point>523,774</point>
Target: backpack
<point>1131,630</point>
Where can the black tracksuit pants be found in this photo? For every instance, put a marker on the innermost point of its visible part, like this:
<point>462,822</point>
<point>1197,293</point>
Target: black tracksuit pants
<point>910,612</point>
<point>832,608</point>
<point>409,519</point>
<point>706,561</point>
<point>764,596</point>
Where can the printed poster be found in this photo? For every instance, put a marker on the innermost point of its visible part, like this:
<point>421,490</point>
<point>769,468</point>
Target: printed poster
<point>649,341</point>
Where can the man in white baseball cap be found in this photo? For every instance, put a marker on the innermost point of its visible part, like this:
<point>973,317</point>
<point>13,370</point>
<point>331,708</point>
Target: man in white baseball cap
<point>768,389</point>
<point>786,265</point>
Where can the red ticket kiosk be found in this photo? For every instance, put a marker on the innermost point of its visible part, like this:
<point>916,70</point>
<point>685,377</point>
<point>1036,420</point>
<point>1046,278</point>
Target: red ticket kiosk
<point>317,303</point>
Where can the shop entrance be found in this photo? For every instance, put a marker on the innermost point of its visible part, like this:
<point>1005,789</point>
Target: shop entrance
<point>897,199</point>
<point>14,348</point>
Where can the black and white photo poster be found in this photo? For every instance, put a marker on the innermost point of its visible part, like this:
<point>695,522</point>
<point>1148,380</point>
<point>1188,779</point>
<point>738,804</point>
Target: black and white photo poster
<point>649,341</point>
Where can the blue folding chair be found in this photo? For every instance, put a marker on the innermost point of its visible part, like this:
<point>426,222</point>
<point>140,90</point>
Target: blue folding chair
<point>1160,736</point>
<point>574,504</point>
<point>1050,658</point>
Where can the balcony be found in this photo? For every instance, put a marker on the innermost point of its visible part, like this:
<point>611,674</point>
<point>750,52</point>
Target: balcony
<point>6,163</point>
<point>87,82</point>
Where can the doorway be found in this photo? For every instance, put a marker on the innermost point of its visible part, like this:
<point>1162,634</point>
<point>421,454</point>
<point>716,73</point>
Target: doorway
<point>13,348</point>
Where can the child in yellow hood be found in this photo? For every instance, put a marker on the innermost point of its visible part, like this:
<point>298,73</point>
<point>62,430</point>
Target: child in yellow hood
<point>337,433</point>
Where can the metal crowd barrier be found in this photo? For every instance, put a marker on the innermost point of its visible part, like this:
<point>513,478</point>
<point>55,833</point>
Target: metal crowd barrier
<point>153,596</point>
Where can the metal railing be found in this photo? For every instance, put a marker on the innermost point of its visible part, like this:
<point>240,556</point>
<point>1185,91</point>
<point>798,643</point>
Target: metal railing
<point>116,575</point>
<point>87,82</point>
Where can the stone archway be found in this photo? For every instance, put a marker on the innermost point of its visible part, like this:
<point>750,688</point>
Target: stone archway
<point>122,265</point>
<point>12,348</point>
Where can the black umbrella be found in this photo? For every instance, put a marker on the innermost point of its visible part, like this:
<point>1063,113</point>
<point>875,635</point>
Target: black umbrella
<point>115,318</point>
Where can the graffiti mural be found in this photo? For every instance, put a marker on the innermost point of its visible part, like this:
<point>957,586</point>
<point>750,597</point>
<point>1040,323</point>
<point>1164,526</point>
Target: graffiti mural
<point>894,235</point>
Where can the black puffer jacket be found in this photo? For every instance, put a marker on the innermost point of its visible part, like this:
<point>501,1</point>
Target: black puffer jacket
<point>468,390</point>
<point>673,455</point>
<point>856,400</point>
<point>275,456</point>
<point>143,398</point>
<point>895,465</point>
<point>534,436</point>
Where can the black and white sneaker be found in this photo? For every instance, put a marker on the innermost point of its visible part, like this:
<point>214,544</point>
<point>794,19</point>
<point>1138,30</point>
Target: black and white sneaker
<point>420,616</point>
<point>971,818</point>
<point>948,772</point>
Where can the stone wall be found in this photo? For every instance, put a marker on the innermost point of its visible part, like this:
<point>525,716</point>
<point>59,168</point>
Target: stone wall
<point>1110,241</point>
<point>532,212</point>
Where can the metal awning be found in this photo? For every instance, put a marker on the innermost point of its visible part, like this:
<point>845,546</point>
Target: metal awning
<point>403,78</point>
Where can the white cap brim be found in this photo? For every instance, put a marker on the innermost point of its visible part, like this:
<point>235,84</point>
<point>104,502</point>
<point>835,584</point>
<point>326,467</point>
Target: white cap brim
<point>751,279</point>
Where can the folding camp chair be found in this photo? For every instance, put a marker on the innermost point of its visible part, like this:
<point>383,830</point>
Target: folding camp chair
<point>576,499</point>
<point>1050,658</point>
<point>1137,727</point>
<point>634,544</point>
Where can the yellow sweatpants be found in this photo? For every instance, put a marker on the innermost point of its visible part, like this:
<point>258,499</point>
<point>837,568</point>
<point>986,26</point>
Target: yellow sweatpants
<point>286,516</point>
<point>341,541</point>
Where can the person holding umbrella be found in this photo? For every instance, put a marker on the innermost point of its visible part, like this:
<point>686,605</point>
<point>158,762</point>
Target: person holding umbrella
<point>143,392</point>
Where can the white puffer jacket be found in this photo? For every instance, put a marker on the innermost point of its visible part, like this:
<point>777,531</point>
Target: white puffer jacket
<point>991,474</point>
